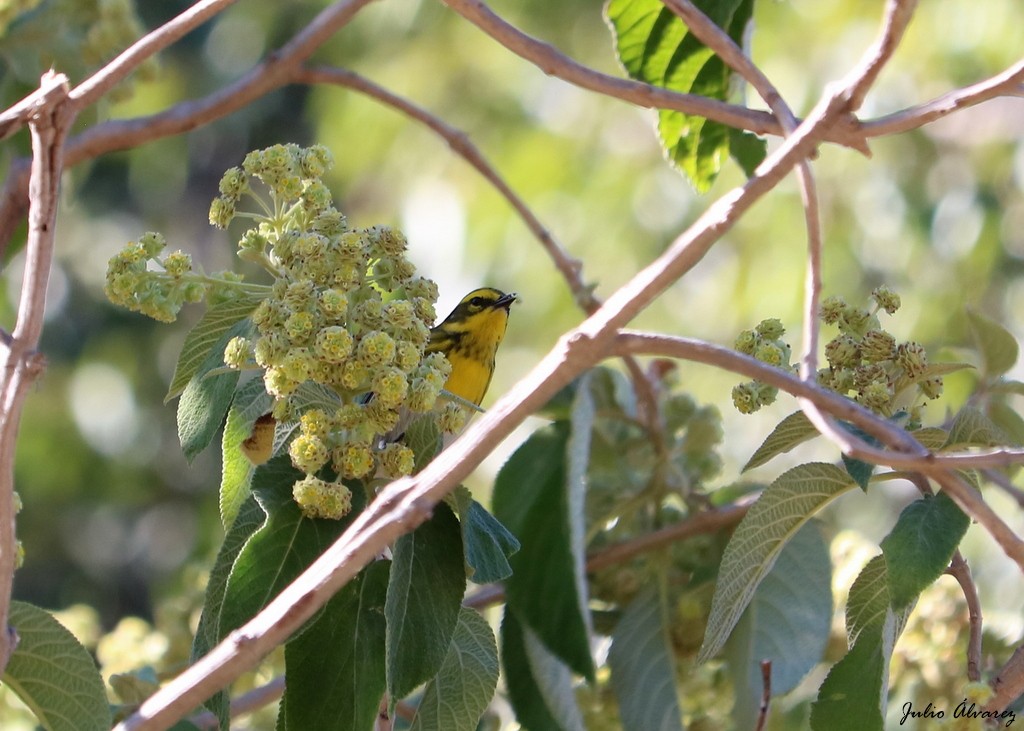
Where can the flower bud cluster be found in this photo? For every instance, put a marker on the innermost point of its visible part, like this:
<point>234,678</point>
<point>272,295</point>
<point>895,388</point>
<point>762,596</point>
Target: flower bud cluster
<point>766,344</point>
<point>866,362</point>
<point>345,311</point>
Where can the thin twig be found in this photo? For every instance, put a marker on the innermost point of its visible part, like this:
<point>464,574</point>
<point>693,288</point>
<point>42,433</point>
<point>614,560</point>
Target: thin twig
<point>460,143</point>
<point>244,704</point>
<point>960,571</point>
<point>20,364</point>
<point>766,695</point>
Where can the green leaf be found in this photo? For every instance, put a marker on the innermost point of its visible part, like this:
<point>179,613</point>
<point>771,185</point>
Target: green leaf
<point>456,698</point>
<point>1005,385</point>
<point>654,46</point>
<point>859,470</point>
<point>206,398</point>
<point>920,545</point>
<point>643,668</point>
<point>788,622</point>
<point>530,498</point>
<point>250,517</point>
<point>998,347</point>
<point>53,674</point>
<point>1007,421</point>
<point>747,149</point>
<point>939,369</point>
<point>205,337</point>
<point>486,543</point>
<point>931,437</point>
<point>335,669</point>
<point>794,430</point>
<point>251,402</point>
<point>280,550</point>
<point>972,428</point>
<point>850,699</point>
<point>424,439</point>
<point>525,691</point>
<point>782,509</point>
<point>428,581</point>
<point>868,601</point>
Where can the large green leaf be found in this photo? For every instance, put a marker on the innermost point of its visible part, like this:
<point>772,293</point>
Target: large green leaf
<point>795,429</point>
<point>456,698</point>
<point>528,693</point>
<point>280,550</point>
<point>428,581</point>
<point>998,347</point>
<point>850,699</point>
<point>920,546</point>
<point>205,336</point>
<point>774,519</point>
<point>971,428</point>
<point>248,520</point>
<point>336,667</point>
<point>251,401</point>
<point>486,542</point>
<point>530,498</point>
<point>656,47</point>
<point>53,674</point>
<point>787,621</point>
<point>643,668</point>
<point>206,398</point>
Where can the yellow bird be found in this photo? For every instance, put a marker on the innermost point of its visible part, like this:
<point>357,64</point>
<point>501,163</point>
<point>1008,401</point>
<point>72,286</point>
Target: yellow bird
<point>469,338</point>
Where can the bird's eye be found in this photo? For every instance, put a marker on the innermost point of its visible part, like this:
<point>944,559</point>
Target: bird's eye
<point>477,302</point>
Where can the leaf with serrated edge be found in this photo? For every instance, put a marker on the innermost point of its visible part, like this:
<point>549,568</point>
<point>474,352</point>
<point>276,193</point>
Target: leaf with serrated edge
<point>642,667</point>
<point>795,429</point>
<point>456,698</point>
<point>485,541</point>
<point>428,581</point>
<point>788,622</point>
<point>851,696</point>
<point>778,514</point>
<point>53,674</point>
<point>920,546</point>
<point>998,347</point>
<point>524,692</point>
<point>201,338</point>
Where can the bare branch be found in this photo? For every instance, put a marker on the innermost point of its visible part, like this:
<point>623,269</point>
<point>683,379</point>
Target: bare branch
<point>1008,684</point>
<point>21,364</point>
<point>459,141</point>
<point>766,695</point>
<point>960,571</point>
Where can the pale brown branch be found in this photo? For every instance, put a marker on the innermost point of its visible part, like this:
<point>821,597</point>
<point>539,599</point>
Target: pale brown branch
<point>460,143</point>
<point>1008,684</point>
<point>243,704</point>
<point>20,364</point>
<point>766,695</point>
<point>961,571</point>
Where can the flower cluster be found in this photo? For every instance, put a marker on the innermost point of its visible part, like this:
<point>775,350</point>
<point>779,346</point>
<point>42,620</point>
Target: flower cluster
<point>160,293</point>
<point>867,364</point>
<point>766,344</point>
<point>346,313</point>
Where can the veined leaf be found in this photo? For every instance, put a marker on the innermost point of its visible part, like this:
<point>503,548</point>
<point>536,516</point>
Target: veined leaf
<point>643,667</point>
<point>456,698</point>
<point>53,674</point>
<point>428,581</point>
<point>920,545</point>
<point>998,347</point>
<point>930,437</point>
<point>788,622</point>
<point>656,47</point>
<point>782,509</point>
<point>972,428</point>
<point>206,398</point>
<point>205,335</point>
<point>336,667</point>
<point>554,678</point>
<point>795,429</point>
<point>530,498</point>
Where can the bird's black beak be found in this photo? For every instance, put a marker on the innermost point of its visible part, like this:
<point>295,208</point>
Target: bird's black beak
<point>505,301</point>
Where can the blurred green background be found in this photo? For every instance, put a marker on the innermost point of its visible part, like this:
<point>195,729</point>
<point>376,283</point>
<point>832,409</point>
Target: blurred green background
<point>112,511</point>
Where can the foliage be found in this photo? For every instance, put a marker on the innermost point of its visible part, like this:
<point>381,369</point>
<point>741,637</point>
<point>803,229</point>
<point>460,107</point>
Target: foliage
<point>614,526</point>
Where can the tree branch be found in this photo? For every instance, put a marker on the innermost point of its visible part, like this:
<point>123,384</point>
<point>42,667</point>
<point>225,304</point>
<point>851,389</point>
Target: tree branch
<point>960,571</point>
